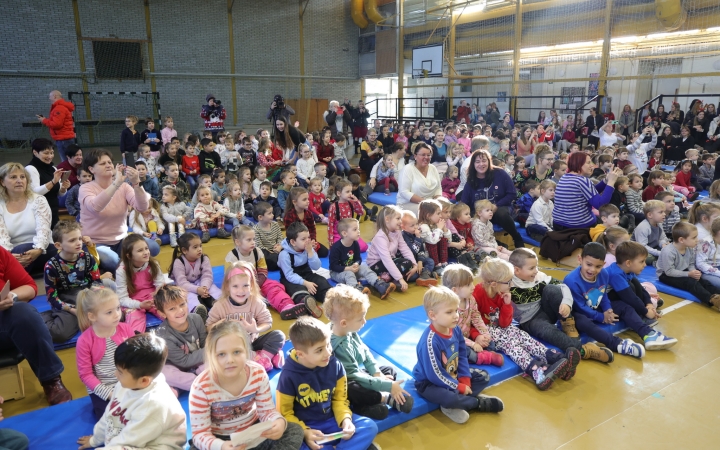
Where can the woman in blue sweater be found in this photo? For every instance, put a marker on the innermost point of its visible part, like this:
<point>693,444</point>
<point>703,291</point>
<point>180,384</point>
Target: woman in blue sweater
<point>485,181</point>
<point>576,196</point>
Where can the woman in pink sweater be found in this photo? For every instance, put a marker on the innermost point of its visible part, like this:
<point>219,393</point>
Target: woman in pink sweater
<point>104,206</point>
<point>138,278</point>
<point>385,245</point>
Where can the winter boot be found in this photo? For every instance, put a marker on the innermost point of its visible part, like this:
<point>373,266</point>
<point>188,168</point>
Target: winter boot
<point>490,358</point>
<point>173,240</point>
<point>383,288</point>
<point>592,351</point>
<point>568,327</point>
<point>425,279</point>
<point>205,237</point>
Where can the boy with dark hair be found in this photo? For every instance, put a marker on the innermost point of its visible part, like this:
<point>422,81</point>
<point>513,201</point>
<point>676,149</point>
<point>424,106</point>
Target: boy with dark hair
<point>71,200</point>
<point>362,198</point>
<point>297,260</point>
<point>622,158</point>
<point>268,236</point>
<point>143,411</point>
<point>411,236</point>
<point>672,212</point>
<point>589,284</point>
<point>539,301</point>
<point>149,184</point>
<point>172,177</point>
<point>609,217</point>
<point>630,300</point>
<point>532,188</point>
<point>288,181</point>
<point>209,158</point>
<point>559,169</point>
<point>312,390</point>
<point>676,266</point>
<point>266,196</point>
<point>71,270</point>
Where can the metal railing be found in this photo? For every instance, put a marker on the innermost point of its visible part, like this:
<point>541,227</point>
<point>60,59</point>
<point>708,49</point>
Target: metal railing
<point>659,99</point>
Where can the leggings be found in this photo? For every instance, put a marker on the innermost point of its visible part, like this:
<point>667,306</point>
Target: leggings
<point>503,219</point>
<point>438,252</point>
<point>518,345</point>
<point>272,342</point>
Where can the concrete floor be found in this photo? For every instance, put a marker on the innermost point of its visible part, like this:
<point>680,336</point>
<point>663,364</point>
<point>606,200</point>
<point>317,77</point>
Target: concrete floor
<point>667,400</point>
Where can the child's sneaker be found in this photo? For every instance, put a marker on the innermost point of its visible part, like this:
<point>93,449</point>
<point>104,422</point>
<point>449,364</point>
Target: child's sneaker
<point>222,233</point>
<point>488,403</point>
<point>592,351</point>
<point>568,327</point>
<point>383,288</point>
<point>405,407</point>
<point>376,412</point>
<point>715,302</point>
<point>658,341</point>
<point>456,415</point>
<point>363,289</point>
<point>573,356</point>
<point>374,446</point>
<point>324,220</point>
<point>312,306</point>
<point>173,240</point>
<point>373,214</point>
<point>486,357</point>
<point>278,361</point>
<point>425,279</point>
<point>264,358</point>
<point>628,347</point>
<point>155,238</point>
<point>205,237</point>
<point>293,312</point>
<point>201,311</point>
<point>387,191</point>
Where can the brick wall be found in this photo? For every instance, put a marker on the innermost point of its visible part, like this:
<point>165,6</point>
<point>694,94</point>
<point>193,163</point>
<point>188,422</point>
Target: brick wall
<point>189,37</point>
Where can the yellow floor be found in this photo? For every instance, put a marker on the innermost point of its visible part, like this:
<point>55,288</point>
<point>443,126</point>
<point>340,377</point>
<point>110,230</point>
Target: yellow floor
<point>669,400</point>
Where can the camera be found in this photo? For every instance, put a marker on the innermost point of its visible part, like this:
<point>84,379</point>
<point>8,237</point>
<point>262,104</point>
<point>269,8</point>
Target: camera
<point>279,102</point>
<point>217,102</point>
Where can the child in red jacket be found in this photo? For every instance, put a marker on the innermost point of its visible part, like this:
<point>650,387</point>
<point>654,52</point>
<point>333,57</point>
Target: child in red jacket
<point>544,365</point>
<point>191,168</point>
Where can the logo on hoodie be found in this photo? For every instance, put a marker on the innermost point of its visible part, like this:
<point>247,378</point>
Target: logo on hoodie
<point>307,396</point>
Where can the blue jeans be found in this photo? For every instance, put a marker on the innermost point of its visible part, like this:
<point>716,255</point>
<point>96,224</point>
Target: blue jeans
<point>447,398</point>
<point>22,327</point>
<point>715,281</point>
<point>365,432</point>
<point>62,147</point>
<point>427,263</point>
<point>192,182</point>
<point>110,254</point>
<point>245,221</point>
<point>39,264</point>
<point>342,166</point>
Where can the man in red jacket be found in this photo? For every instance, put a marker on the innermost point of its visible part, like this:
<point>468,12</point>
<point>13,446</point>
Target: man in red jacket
<point>60,123</point>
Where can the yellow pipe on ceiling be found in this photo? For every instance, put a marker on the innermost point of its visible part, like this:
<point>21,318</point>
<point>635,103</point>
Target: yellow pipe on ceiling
<point>372,12</point>
<point>357,13</point>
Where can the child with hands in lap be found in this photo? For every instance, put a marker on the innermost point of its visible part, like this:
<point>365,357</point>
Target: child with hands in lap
<point>192,271</point>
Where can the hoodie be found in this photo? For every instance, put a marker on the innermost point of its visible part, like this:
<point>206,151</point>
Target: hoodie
<point>312,395</point>
<point>60,123</point>
<point>300,258</point>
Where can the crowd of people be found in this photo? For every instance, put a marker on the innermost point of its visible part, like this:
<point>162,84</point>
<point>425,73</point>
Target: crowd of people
<point>270,191</point>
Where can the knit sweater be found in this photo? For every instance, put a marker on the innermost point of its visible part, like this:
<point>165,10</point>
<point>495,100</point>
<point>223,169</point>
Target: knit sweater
<point>355,356</point>
<point>652,237</point>
<point>251,309</point>
<point>215,412</point>
<point>186,273</point>
<point>203,211</point>
<point>635,202</point>
<point>384,248</point>
<point>575,196</point>
<point>104,217</point>
<point>150,418</point>
<point>170,212</point>
<point>675,264</point>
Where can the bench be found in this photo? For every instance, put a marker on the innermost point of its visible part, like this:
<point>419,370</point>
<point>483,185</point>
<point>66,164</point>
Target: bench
<point>11,375</point>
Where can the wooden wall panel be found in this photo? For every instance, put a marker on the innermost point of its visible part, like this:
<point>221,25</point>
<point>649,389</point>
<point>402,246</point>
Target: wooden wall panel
<point>309,112</point>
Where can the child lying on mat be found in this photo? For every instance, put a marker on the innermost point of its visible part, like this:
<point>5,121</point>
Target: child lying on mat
<point>143,411</point>
<point>442,374</point>
<point>370,388</point>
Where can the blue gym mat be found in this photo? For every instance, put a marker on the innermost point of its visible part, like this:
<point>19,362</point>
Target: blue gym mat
<point>165,239</point>
<point>379,198</point>
<point>526,237</point>
<point>648,274</point>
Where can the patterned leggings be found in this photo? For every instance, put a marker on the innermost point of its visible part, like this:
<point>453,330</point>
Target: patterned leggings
<point>219,223</point>
<point>518,345</point>
<point>438,252</point>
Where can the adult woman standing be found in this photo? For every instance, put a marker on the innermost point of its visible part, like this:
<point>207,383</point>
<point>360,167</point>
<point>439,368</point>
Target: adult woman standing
<point>24,220</point>
<point>371,151</point>
<point>593,124</point>
<point>576,196</point>
<point>626,121</point>
<point>73,162</point>
<point>398,157</point>
<point>287,138</point>
<point>418,181</point>
<point>487,182</point>
<point>104,206</point>
<point>45,179</point>
<point>680,145</point>
<point>544,159</point>
<point>22,328</point>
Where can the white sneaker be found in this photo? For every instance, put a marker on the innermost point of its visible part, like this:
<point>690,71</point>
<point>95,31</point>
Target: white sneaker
<point>456,415</point>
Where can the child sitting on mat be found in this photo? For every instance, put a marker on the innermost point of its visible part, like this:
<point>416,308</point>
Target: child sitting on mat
<point>459,279</point>
<point>494,302</point>
<point>192,271</point>
<point>442,374</point>
<point>184,333</point>
<point>676,266</point>
<point>143,412</point>
<point>650,233</point>
<point>707,258</point>
<point>346,264</point>
<point>297,261</point>
<point>312,391</point>
<point>370,388</point>
<point>227,401</point>
<point>382,254</point>
<point>98,313</point>
<point>346,206</point>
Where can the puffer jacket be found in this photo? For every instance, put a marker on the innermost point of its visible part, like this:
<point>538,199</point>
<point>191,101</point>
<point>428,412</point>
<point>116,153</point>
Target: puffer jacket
<point>60,123</point>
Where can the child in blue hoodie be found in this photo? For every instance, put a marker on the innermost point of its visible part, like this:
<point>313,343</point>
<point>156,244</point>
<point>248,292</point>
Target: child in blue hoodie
<point>297,260</point>
<point>442,374</point>
<point>312,392</point>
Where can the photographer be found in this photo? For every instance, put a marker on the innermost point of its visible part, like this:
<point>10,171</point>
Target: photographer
<point>338,118</point>
<point>214,115</point>
<point>278,108</point>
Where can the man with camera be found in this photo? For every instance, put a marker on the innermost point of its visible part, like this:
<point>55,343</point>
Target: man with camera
<point>279,108</point>
<point>338,118</point>
<point>214,115</point>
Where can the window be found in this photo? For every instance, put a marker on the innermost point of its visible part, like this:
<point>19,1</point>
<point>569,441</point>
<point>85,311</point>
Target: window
<point>118,60</point>
<point>466,88</point>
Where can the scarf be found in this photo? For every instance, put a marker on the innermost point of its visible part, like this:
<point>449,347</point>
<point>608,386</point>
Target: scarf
<point>46,172</point>
<point>522,284</point>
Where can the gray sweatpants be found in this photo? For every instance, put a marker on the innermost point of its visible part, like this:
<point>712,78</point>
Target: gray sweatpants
<point>351,278</point>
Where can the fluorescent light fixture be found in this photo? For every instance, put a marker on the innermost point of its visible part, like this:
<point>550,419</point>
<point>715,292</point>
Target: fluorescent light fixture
<point>470,7</point>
